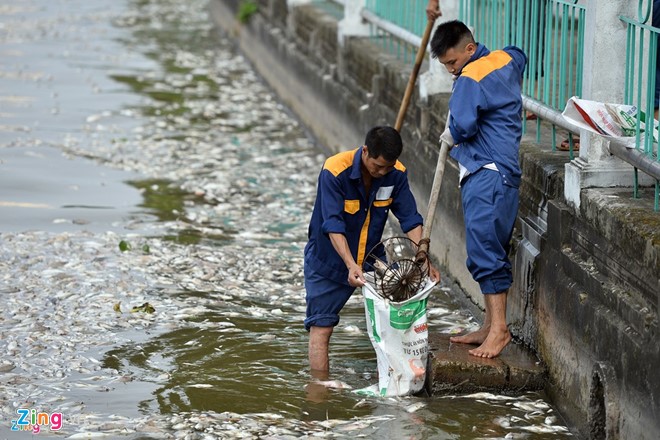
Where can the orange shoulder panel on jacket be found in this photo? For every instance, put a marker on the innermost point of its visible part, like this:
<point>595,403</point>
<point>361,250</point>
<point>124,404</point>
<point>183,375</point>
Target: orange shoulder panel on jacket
<point>479,69</point>
<point>339,162</point>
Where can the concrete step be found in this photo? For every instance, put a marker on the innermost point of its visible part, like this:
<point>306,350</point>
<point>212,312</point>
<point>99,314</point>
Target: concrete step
<point>455,371</point>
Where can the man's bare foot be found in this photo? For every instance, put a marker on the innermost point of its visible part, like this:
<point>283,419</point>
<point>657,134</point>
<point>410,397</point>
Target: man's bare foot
<point>495,342</point>
<point>476,337</point>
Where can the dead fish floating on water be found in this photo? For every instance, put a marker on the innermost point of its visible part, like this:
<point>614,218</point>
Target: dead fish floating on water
<point>487,396</point>
<point>415,407</point>
<point>86,435</point>
<point>335,384</point>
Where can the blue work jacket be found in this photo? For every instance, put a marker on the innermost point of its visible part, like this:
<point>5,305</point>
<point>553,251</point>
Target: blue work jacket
<point>343,207</point>
<point>486,112</point>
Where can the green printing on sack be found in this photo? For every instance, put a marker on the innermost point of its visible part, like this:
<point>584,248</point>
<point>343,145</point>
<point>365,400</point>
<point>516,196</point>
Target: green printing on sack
<point>403,317</point>
<point>372,318</point>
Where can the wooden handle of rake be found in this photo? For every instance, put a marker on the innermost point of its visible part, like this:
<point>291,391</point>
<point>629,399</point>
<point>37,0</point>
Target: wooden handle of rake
<point>423,249</point>
<point>421,52</point>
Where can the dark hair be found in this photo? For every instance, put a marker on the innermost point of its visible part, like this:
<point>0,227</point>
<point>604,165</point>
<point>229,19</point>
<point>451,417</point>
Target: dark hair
<point>449,35</point>
<point>384,141</point>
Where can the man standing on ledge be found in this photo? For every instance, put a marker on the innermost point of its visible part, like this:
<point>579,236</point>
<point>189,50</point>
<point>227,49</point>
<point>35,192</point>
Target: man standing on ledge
<point>356,191</point>
<point>485,128</point>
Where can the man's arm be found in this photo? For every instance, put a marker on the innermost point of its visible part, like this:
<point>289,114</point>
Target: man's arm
<point>415,235</point>
<point>464,105</point>
<point>404,206</point>
<point>404,209</point>
<point>339,242</point>
<point>334,226</point>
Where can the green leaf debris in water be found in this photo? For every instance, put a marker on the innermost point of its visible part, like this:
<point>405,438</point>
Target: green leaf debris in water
<point>124,246</point>
<point>145,248</point>
<point>117,307</point>
<point>146,308</point>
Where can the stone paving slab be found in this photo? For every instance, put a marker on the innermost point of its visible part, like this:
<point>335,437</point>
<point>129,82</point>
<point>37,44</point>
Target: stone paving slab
<point>454,370</point>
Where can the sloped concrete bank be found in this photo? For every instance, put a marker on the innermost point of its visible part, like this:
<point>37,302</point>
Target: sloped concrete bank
<point>587,284</point>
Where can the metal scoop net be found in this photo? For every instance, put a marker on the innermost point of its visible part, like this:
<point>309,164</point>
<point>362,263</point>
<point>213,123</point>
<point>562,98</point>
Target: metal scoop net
<point>399,268</point>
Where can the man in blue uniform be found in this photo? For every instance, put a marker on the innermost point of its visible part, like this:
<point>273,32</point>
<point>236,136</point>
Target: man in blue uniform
<point>485,128</point>
<point>356,191</point>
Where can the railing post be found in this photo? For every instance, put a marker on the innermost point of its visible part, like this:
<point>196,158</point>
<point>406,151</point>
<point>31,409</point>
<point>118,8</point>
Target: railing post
<point>604,79</point>
<point>352,25</point>
<point>437,79</point>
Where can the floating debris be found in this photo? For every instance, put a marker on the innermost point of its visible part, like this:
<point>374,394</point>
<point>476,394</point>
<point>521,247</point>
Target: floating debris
<point>145,307</point>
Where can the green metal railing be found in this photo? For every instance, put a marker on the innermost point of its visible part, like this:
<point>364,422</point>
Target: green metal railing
<point>551,32</point>
<point>640,83</point>
<point>409,16</point>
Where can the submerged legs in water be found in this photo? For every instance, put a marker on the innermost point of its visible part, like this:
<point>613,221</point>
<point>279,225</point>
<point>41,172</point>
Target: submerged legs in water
<point>319,341</point>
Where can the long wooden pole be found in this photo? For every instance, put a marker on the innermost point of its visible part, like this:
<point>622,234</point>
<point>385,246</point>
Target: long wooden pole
<point>419,58</point>
<point>444,147</point>
<point>437,183</point>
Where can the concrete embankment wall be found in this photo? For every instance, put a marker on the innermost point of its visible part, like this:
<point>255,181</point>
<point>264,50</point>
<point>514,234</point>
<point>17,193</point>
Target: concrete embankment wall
<point>587,285</point>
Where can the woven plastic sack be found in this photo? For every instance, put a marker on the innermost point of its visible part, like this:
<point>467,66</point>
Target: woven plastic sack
<point>399,334</point>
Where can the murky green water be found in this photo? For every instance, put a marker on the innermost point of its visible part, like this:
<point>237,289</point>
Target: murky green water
<point>174,147</point>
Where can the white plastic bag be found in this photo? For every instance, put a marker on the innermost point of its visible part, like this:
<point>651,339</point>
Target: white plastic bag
<point>616,120</point>
<point>399,334</point>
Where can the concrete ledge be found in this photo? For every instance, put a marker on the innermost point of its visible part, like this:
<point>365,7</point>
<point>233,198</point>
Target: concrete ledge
<point>456,371</point>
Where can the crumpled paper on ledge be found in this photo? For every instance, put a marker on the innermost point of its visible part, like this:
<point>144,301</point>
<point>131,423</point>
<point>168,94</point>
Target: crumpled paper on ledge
<point>613,120</point>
